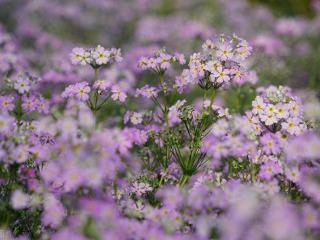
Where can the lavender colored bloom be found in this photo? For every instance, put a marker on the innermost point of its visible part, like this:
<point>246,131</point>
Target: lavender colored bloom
<point>29,103</point>
<point>22,84</point>
<point>7,103</point>
<point>6,123</point>
<point>269,169</point>
<point>118,94</point>
<point>270,144</point>
<point>53,211</point>
<point>80,56</point>
<point>140,188</point>
<point>147,92</point>
<point>100,55</point>
<point>79,90</point>
<point>19,199</point>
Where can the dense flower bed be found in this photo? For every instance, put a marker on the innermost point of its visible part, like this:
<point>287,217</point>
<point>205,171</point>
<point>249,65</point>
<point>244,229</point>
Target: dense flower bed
<point>174,139</point>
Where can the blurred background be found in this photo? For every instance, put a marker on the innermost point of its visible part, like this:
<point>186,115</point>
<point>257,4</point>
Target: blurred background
<point>39,34</point>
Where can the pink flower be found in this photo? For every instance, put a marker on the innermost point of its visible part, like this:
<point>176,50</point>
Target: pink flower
<point>80,56</point>
<point>79,90</point>
<point>19,199</point>
<point>118,94</point>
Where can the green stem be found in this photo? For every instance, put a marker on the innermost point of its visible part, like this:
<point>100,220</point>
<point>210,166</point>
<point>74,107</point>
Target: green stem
<point>162,177</point>
<point>94,103</point>
<point>183,180</point>
<point>253,172</point>
<point>213,95</point>
<point>163,84</point>
<point>96,74</point>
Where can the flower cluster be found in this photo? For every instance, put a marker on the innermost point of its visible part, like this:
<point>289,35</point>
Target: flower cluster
<point>97,92</point>
<point>160,61</point>
<point>219,63</point>
<point>277,110</point>
<point>164,165</point>
<point>96,57</point>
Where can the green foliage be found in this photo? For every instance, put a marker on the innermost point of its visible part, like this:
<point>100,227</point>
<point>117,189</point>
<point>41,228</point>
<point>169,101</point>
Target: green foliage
<point>288,7</point>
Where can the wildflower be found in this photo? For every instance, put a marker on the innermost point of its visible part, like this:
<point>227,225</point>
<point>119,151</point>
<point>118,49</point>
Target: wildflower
<point>136,118</point>
<point>29,103</point>
<point>6,123</point>
<point>268,119</point>
<point>258,105</point>
<point>101,85</point>
<point>160,61</point>
<point>21,154</point>
<point>19,199</point>
<point>281,111</point>
<point>100,55</point>
<point>79,90</point>
<point>140,188</point>
<point>274,107</point>
<point>115,53</point>
<point>269,169</point>
<point>311,217</point>
<point>43,106</point>
<point>292,126</point>
<point>224,51</point>
<point>147,92</point>
<point>270,144</point>
<point>54,212</point>
<point>220,75</point>
<point>293,174</point>
<point>118,94</point>
<point>6,103</point>
<point>80,56</point>
<point>174,112</point>
<point>22,84</point>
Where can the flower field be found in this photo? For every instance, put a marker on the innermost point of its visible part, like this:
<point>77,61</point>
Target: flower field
<point>159,120</point>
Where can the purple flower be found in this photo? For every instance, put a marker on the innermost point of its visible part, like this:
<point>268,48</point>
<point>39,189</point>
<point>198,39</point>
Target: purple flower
<point>54,212</point>
<point>30,103</point>
<point>19,199</point>
<point>79,90</point>
<point>80,56</point>
<point>22,84</point>
<point>140,188</point>
<point>6,103</point>
<point>269,169</point>
<point>147,92</point>
<point>270,143</point>
<point>100,55</point>
<point>118,94</point>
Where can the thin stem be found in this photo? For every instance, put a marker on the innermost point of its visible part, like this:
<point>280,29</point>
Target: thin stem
<point>183,180</point>
<point>213,94</point>
<point>103,102</point>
